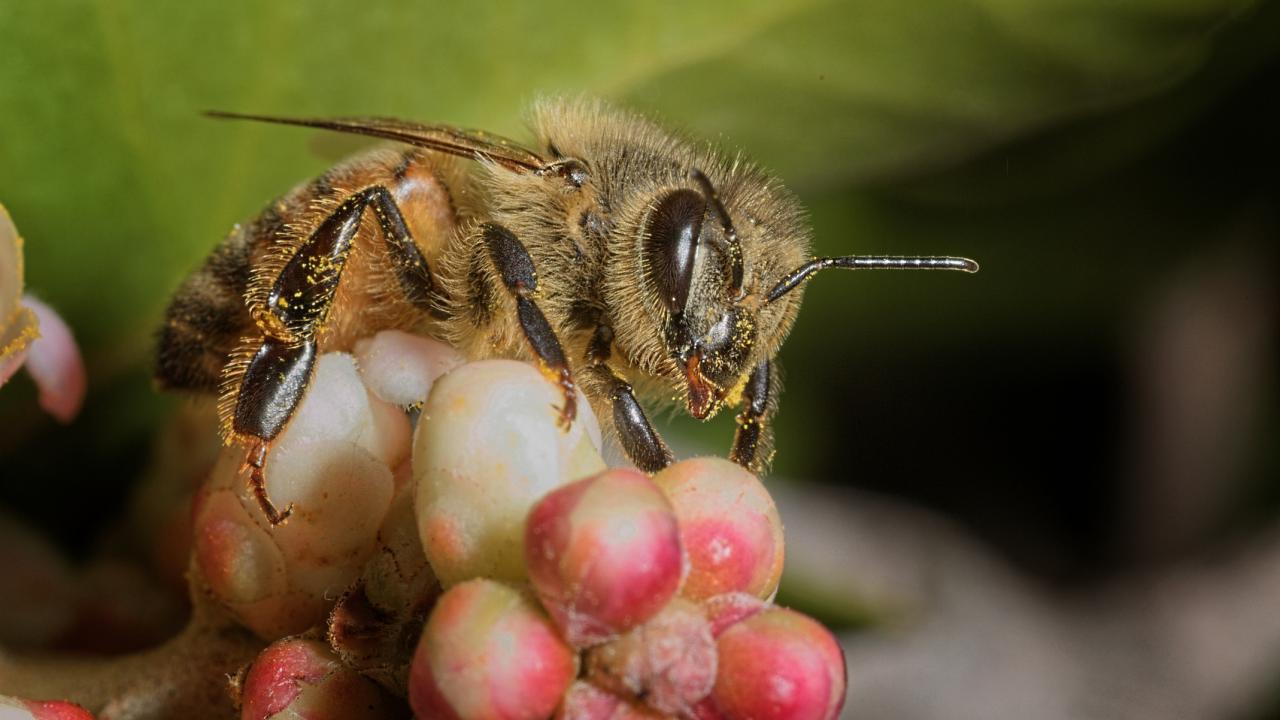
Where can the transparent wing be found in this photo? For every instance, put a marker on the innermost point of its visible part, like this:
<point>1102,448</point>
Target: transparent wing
<point>474,144</point>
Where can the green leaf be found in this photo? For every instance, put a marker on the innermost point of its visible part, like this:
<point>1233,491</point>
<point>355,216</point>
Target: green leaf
<point>121,186</point>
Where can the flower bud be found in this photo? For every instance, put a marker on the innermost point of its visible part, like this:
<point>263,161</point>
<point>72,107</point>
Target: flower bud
<point>12,708</point>
<point>331,464</point>
<point>729,527</point>
<point>377,621</point>
<point>603,554</point>
<point>585,701</point>
<point>400,368</point>
<point>488,652</point>
<point>487,446</point>
<point>777,665</point>
<point>297,678</point>
<point>669,662</point>
<point>725,610</point>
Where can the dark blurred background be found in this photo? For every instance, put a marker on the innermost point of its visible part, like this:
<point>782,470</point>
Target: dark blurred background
<point>1097,404</point>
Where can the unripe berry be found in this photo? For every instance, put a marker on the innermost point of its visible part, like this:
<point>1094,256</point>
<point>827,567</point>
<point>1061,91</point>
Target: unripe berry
<point>603,554</point>
<point>488,652</point>
<point>777,665</point>
<point>729,527</point>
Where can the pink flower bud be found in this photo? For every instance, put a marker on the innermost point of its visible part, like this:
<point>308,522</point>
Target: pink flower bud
<point>489,653</point>
<point>12,708</point>
<point>603,554</point>
<point>331,464</point>
<point>585,701</point>
<point>777,665</point>
<point>729,527</point>
<point>669,662</point>
<point>302,679</point>
<point>726,610</point>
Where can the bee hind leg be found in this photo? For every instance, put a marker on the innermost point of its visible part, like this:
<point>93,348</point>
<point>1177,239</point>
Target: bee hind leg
<point>256,462</point>
<point>516,269</point>
<point>273,384</point>
<point>753,440</point>
<point>277,375</point>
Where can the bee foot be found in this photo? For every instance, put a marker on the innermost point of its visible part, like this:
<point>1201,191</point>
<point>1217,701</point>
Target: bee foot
<point>569,410</point>
<point>256,461</point>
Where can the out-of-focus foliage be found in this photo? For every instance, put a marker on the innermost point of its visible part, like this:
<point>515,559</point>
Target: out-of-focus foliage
<point>122,185</point>
<point>906,126</point>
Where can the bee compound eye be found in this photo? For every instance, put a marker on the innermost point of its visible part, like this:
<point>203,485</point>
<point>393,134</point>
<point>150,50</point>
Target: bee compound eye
<point>670,243</point>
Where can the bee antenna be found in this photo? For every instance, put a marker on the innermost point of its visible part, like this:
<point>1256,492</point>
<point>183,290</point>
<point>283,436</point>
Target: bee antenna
<point>733,249</point>
<point>869,262</point>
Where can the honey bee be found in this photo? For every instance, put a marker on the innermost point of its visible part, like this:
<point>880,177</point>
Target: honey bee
<point>619,257</point>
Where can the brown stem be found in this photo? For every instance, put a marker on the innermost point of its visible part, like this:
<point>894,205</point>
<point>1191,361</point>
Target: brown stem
<point>186,677</point>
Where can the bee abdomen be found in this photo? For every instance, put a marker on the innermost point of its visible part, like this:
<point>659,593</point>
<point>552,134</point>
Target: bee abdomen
<point>206,318</point>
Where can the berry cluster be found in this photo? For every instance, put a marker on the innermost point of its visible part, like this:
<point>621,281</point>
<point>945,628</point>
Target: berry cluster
<point>648,599</point>
<point>453,546</point>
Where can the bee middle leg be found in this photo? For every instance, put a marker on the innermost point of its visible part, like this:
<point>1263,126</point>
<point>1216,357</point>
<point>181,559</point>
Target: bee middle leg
<point>299,301</point>
<point>519,276</point>
<point>643,445</point>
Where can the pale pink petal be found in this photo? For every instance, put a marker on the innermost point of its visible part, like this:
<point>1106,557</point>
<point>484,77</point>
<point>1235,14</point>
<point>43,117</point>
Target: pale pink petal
<point>54,362</point>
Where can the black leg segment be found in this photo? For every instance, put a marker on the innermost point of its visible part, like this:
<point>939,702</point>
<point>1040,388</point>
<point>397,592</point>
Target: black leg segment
<point>273,385</point>
<point>516,268</point>
<point>643,445</point>
<point>412,271</point>
<point>753,440</point>
<point>640,441</point>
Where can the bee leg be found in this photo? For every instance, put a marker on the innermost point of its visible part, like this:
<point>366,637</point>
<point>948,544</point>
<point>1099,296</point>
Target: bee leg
<point>411,269</point>
<point>640,441</point>
<point>753,440</point>
<point>273,384</point>
<point>515,266</point>
<point>277,375</point>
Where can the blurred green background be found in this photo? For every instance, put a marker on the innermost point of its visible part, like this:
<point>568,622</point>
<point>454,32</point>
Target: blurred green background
<point>1103,159</point>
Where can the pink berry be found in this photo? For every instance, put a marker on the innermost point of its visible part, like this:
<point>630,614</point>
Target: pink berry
<point>668,663</point>
<point>488,652</point>
<point>777,665</point>
<point>298,678</point>
<point>729,527</point>
<point>603,554</point>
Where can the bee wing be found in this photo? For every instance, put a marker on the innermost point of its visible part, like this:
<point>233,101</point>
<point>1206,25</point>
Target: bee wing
<point>474,144</point>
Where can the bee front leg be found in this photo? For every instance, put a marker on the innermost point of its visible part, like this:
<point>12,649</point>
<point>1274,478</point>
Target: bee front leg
<point>643,445</point>
<point>519,276</point>
<point>753,440</point>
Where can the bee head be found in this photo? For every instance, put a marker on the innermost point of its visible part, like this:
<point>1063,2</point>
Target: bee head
<point>693,260</point>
